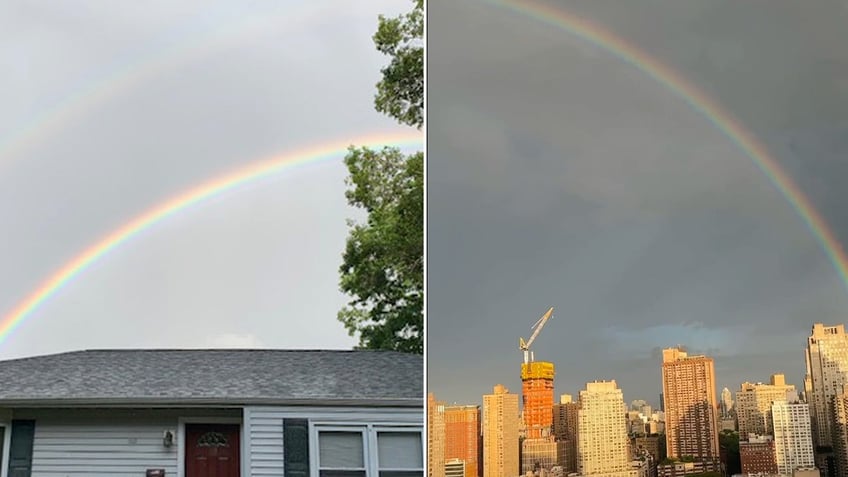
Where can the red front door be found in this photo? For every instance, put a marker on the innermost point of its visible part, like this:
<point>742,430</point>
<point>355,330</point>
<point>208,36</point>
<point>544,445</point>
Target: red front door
<point>212,450</point>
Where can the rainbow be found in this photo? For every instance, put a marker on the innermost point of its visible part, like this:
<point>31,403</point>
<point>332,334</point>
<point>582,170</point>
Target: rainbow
<point>183,201</point>
<point>193,42</point>
<point>698,100</point>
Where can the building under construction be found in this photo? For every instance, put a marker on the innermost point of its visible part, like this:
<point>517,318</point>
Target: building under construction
<point>540,449</point>
<point>537,388</point>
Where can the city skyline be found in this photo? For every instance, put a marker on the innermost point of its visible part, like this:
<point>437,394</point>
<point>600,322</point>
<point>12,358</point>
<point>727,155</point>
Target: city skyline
<point>560,175</point>
<point>652,399</point>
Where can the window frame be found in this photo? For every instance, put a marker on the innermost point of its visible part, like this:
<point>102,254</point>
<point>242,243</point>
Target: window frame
<point>369,432</point>
<point>375,430</point>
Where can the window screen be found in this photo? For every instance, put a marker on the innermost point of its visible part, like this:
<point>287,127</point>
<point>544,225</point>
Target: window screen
<point>400,454</point>
<point>341,454</point>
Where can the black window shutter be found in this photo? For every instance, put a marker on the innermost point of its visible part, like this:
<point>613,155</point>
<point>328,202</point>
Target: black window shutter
<point>295,447</point>
<point>20,449</point>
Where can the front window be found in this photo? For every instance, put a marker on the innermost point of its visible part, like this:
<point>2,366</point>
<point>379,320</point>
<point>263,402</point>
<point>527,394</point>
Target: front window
<point>370,451</point>
<point>341,454</point>
<point>400,454</point>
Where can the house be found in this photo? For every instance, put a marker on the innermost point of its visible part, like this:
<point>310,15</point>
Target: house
<point>222,413</point>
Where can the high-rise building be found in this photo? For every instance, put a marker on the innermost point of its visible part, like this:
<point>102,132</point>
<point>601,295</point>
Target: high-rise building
<point>565,429</point>
<point>691,427</point>
<point>462,437</point>
<point>839,412</point>
<point>827,367</point>
<point>542,455</point>
<point>602,442</point>
<point>537,383</point>
<point>726,402</point>
<point>757,456</point>
<point>793,438</point>
<point>827,374</point>
<point>435,437</point>
<point>500,433</point>
<point>753,405</point>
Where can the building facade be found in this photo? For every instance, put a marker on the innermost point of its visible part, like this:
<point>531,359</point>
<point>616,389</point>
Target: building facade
<point>565,429</point>
<point>298,413</point>
<point>537,386</point>
<point>793,437</point>
<point>500,433</point>
<point>726,403</point>
<point>757,456</point>
<point>602,442</point>
<point>455,468</point>
<point>753,405</point>
<point>827,370</point>
<point>827,374</point>
<point>435,437</point>
<point>689,391</point>
<point>463,437</point>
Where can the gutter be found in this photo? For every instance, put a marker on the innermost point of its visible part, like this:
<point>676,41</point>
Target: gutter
<point>206,402</point>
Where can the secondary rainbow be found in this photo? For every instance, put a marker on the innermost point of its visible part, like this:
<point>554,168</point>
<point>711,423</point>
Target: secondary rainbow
<point>185,200</point>
<point>194,40</point>
<point>698,100</point>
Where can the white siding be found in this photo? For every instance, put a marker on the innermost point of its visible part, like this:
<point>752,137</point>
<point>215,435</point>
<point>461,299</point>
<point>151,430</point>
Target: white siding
<point>264,429</point>
<point>114,449</point>
<point>116,443</point>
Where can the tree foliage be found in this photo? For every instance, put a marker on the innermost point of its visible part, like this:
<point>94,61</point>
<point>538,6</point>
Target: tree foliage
<point>383,262</point>
<point>400,93</point>
<point>729,443</point>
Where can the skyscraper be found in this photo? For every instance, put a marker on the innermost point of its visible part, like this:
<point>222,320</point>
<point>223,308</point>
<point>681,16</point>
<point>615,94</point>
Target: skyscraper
<point>602,440</point>
<point>753,405</point>
<point>793,441</point>
<point>565,429</point>
<point>462,437</point>
<point>827,370</point>
<point>726,402</point>
<point>500,433</point>
<point>435,437</point>
<point>690,405</point>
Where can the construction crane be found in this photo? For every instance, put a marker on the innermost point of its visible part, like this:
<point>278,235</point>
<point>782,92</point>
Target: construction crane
<point>525,346</point>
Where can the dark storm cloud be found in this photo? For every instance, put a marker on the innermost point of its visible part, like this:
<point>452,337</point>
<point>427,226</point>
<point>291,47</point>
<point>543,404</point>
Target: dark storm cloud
<point>560,176</point>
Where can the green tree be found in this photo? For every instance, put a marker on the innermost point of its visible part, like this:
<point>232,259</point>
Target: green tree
<point>729,442</point>
<point>400,93</point>
<point>383,262</point>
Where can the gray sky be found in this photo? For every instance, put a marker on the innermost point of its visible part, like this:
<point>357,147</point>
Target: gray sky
<point>130,104</point>
<point>560,176</point>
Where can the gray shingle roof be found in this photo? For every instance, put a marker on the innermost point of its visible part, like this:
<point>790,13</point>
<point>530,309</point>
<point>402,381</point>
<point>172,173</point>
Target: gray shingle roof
<point>214,376</point>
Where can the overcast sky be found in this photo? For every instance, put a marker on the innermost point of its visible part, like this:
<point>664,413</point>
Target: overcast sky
<point>110,108</point>
<point>560,176</point>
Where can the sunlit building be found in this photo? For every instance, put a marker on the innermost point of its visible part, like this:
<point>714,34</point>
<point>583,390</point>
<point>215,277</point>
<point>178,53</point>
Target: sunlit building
<point>753,405</point>
<point>435,437</point>
<point>793,439</point>
<point>691,425</point>
<point>537,386</point>
<point>827,374</point>
<point>757,456</point>
<point>602,442</point>
<point>463,436</point>
<point>500,433</point>
<point>565,429</point>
